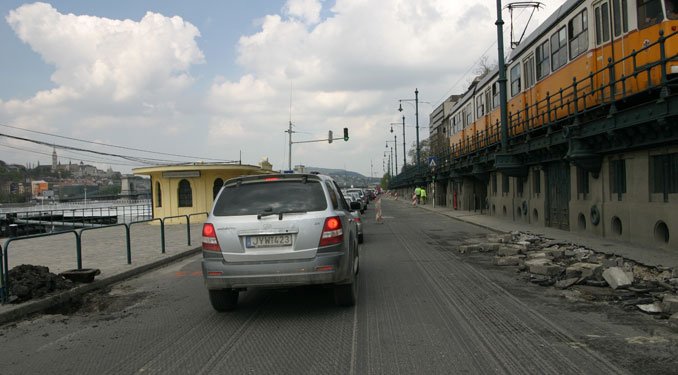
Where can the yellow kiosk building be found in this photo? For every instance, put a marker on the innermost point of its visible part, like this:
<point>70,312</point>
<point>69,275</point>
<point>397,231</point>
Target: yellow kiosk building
<point>186,189</point>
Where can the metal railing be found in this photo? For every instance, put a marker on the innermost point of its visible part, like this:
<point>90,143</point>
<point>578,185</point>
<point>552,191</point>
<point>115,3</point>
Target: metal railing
<point>79,217</point>
<point>4,249</point>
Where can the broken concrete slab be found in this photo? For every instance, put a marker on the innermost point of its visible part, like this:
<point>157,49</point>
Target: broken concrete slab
<point>585,270</point>
<point>542,266</point>
<point>652,308</point>
<point>514,260</point>
<point>670,304</point>
<point>490,246</point>
<point>566,283</point>
<point>470,248</point>
<point>673,320</point>
<point>554,253</point>
<point>508,250</point>
<point>617,277</point>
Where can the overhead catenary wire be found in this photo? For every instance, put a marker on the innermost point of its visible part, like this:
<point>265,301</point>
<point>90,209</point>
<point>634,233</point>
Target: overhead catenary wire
<point>475,63</point>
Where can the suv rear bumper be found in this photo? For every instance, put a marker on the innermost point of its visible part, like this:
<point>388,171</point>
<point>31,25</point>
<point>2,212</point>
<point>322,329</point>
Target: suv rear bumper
<point>327,268</point>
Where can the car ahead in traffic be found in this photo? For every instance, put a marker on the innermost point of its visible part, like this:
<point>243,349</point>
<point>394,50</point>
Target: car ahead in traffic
<point>277,231</point>
<point>356,211</point>
<point>355,197</point>
<point>360,193</point>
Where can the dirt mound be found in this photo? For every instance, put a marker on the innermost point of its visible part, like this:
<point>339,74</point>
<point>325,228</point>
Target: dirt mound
<point>28,281</point>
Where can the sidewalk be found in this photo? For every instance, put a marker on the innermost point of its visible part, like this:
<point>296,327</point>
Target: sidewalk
<point>646,255</point>
<point>104,249</point>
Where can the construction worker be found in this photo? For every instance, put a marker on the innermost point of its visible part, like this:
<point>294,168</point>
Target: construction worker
<point>422,194</point>
<point>417,196</point>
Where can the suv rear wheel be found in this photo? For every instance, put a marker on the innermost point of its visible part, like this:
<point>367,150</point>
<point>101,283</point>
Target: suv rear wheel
<point>347,294</point>
<point>224,299</point>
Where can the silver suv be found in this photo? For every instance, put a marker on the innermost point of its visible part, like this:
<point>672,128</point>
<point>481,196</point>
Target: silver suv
<point>279,230</point>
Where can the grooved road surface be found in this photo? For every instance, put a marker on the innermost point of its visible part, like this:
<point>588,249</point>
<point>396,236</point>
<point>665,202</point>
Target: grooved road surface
<point>422,309</point>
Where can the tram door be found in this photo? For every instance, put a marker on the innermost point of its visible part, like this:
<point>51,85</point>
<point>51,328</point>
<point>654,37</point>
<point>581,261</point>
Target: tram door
<point>558,195</point>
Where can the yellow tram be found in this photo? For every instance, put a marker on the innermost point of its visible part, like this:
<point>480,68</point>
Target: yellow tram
<point>588,54</point>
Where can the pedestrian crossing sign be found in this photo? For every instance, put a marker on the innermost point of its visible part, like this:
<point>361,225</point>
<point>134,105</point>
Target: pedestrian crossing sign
<point>432,162</point>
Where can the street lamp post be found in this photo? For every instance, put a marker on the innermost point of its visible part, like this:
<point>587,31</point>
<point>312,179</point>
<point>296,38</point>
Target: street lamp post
<point>416,116</point>
<point>404,150</point>
<point>395,143</point>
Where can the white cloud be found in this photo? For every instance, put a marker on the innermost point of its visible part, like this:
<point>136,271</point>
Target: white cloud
<point>326,69</point>
<point>308,11</point>
<point>119,60</point>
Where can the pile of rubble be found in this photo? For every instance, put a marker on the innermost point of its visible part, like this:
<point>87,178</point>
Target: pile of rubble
<point>28,281</point>
<point>564,265</point>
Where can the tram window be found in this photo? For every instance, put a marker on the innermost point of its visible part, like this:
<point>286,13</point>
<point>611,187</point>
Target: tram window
<point>603,23</point>
<point>515,80</point>
<point>559,49</point>
<point>495,95</point>
<point>579,34</point>
<point>488,100</point>
<point>480,106</point>
<point>649,13</point>
<point>620,16</point>
<point>528,71</point>
<point>671,9</point>
<point>468,115</point>
<point>543,60</point>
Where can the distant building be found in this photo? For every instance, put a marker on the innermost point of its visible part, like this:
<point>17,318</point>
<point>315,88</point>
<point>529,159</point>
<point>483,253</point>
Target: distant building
<point>54,160</point>
<point>37,187</point>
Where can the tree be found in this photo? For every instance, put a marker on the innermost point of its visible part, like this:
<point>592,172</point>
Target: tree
<point>385,180</point>
<point>424,151</point>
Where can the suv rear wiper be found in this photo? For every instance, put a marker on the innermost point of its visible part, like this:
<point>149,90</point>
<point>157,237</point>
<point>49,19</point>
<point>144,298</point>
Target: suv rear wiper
<point>269,212</point>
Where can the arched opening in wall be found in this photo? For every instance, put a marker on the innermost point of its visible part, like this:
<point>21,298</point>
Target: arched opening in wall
<point>158,194</point>
<point>535,214</point>
<point>581,222</point>
<point>494,209</point>
<point>218,183</point>
<point>616,226</point>
<point>661,232</point>
<point>185,194</point>
<point>504,210</point>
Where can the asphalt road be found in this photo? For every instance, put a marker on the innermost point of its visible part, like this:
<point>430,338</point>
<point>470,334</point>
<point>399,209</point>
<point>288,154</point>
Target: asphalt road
<point>422,309</point>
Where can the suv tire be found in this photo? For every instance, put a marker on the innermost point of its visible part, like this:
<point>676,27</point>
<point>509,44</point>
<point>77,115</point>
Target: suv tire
<point>347,294</point>
<point>224,299</point>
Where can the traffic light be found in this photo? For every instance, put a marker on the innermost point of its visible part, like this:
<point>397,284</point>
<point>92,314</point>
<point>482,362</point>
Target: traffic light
<point>346,134</point>
<point>329,137</point>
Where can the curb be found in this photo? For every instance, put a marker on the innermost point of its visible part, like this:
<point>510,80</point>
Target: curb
<point>33,307</point>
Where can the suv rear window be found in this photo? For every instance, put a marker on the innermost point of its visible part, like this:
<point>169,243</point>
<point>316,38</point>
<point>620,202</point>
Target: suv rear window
<point>270,197</point>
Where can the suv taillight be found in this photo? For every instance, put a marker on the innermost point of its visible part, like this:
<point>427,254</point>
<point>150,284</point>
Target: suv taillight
<point>209,238</point>
<point>333,233</point>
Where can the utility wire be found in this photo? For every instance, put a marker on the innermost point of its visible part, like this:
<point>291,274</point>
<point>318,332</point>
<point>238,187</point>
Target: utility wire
<point>47,154</point>
<point>142,160</point>
<point>109,145</point>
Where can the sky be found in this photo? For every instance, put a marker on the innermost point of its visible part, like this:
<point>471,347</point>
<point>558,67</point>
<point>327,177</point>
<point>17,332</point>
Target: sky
<point>172,81</point>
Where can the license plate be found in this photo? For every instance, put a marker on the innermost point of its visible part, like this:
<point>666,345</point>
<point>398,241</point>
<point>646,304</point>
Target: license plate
<point>268,241</point>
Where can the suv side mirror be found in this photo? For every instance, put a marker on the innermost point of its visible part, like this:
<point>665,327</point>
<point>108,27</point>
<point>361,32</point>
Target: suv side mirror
<point>355,206</point>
